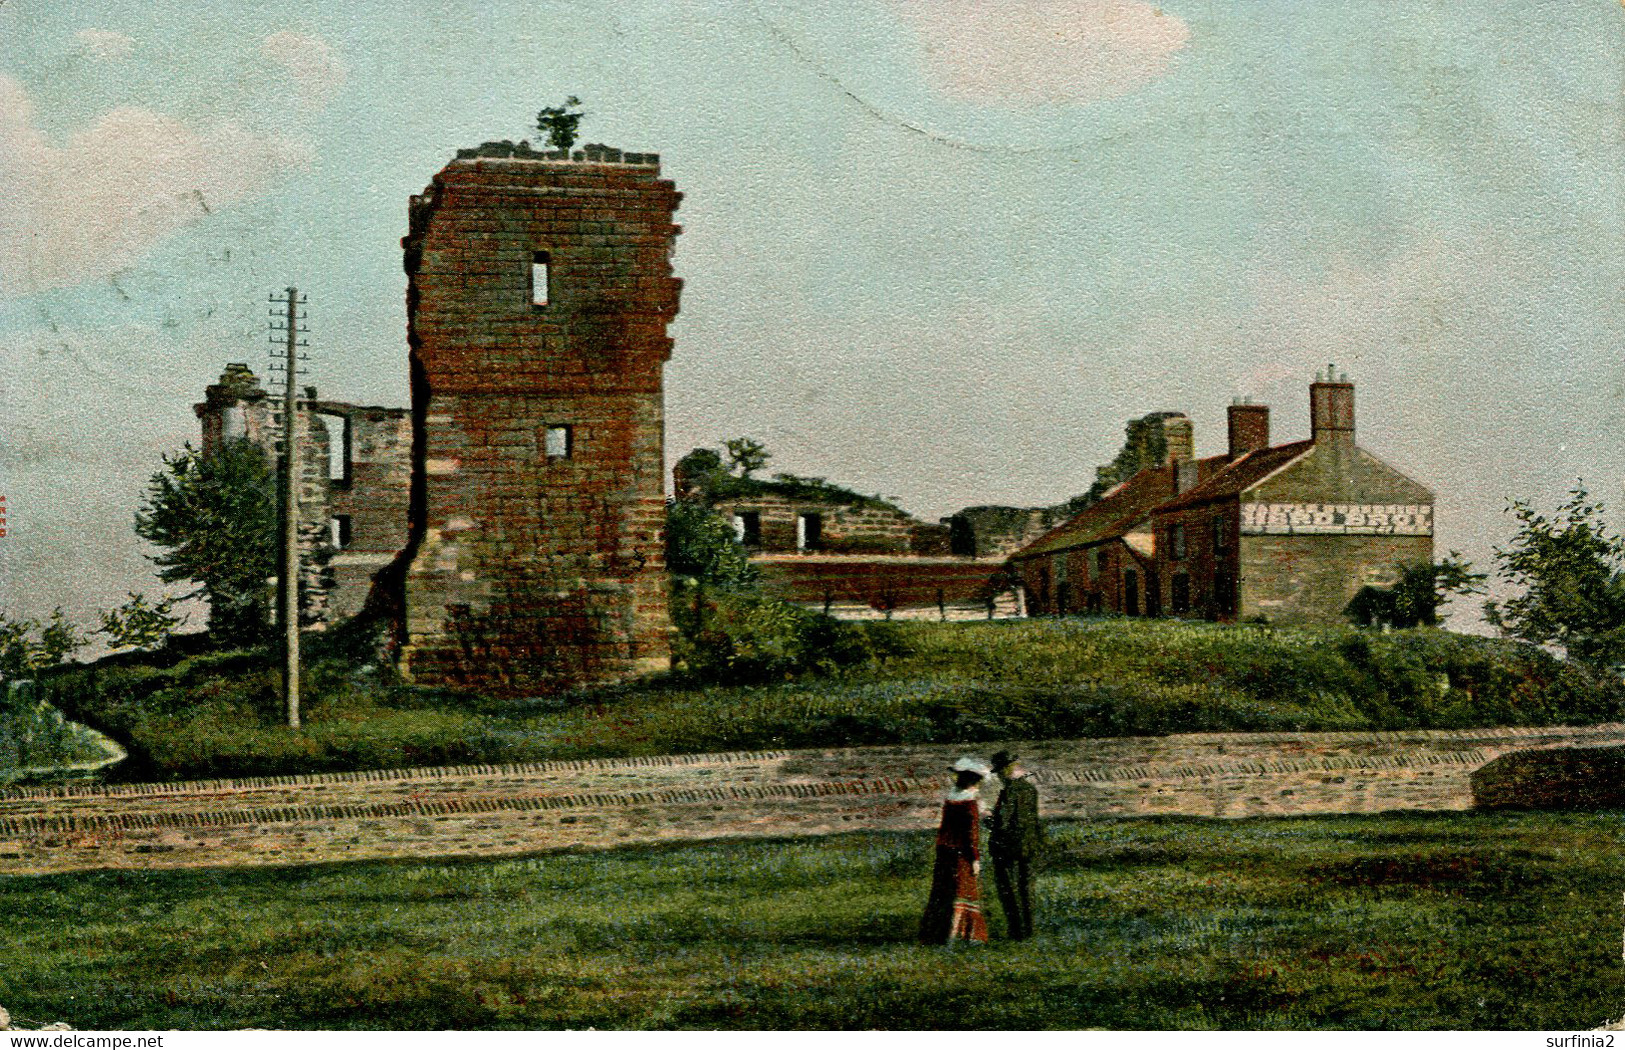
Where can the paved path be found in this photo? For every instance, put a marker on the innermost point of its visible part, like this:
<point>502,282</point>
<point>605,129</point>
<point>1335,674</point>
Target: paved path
<point>489,810</point>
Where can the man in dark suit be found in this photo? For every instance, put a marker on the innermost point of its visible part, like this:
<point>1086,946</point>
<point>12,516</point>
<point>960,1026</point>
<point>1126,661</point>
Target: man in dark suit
<point>1016,840</point>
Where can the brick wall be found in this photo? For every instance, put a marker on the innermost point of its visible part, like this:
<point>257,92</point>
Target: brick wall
<point>526,571</point>
<point>1210,564</point>
<point>1288,578</point>
<point>884,585</point>
<point>1089,580</point>
<point>494,810</point>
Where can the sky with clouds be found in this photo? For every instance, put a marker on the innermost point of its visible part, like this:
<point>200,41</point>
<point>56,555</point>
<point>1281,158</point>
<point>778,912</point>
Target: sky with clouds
<point>940,250</point>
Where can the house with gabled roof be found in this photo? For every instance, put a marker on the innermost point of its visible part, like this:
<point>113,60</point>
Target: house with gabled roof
<point>1103,558</point>
<point>1282,532</point>
<point>1292,532</point>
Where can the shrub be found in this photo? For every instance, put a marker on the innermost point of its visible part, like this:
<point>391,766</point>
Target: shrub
<point>746,636</point>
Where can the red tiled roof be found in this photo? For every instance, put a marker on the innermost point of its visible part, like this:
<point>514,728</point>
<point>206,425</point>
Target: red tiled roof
<point>1112,515</point>
<point>1239,476</point>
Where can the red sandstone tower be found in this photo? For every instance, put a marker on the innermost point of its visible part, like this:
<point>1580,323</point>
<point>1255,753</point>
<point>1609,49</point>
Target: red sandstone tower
<point>540,287</point>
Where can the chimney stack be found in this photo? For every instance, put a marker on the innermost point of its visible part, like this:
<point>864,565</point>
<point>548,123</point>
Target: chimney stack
<point>1331,410</point>
<point>1249,428</point>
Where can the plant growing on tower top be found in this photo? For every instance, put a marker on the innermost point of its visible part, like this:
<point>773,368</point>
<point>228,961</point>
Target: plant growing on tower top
<point>560,123</point>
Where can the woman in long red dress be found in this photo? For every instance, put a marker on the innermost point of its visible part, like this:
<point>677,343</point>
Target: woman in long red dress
<point>954,911</point>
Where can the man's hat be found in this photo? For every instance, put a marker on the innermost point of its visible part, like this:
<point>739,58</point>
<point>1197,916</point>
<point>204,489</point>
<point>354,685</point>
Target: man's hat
<point>1001,759</point>
<point>970,765</point>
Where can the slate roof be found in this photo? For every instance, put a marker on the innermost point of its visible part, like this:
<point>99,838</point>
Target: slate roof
<point>1151,491</point>
<point>1239,476</point>
<point>1118,511</point>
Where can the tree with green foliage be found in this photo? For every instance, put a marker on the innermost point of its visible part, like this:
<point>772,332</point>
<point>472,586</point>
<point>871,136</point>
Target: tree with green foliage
<point>29,646</point>
<point>746,456</point>
<point>561,123</point>
<point>139,624</point>
<point>702,546</point>
<point>1418,595</point>
<point>700,475</point>
<point>1571,570</point>
<point>215,516</point>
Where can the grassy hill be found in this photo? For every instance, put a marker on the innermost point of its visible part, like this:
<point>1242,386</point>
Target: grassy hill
<point>218,715</point>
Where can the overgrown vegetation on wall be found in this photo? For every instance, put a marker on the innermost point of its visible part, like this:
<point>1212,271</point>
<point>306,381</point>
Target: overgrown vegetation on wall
<point>707,477</point>
<point>728,631</point>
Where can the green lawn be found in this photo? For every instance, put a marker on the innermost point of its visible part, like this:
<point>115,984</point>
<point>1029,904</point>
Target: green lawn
<point>1409,922</point>
<point>938,683</point>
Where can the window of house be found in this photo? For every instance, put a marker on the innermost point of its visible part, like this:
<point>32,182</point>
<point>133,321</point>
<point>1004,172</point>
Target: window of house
<point>540,265</point>
<point>558,443</point>
<point>1176,542</point>
<point>1218,533</point>
<point>1094,563</point>
<point>809,532</point>
<point>748,527</point>
<point>340,531</point>
<point>1131,592</point>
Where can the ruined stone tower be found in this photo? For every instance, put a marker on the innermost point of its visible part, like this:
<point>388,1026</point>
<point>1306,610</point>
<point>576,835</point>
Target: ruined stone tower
<point>539,291</point>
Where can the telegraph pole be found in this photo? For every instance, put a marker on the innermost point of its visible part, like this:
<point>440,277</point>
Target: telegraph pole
<point>288,332</point>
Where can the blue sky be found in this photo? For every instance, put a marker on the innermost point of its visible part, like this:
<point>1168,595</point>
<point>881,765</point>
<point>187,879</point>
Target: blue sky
<point>938,250</point>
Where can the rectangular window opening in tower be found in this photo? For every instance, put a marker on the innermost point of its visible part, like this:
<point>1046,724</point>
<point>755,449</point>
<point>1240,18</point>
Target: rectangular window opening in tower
<point>539,266</point>
<point>557,443</point>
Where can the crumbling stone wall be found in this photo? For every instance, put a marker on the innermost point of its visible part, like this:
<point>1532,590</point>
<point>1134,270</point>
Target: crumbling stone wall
<point>870,528</point>
<point>370,499</point>
<point>539,292</point>
<point>369,494</point>
<point>995,532</point>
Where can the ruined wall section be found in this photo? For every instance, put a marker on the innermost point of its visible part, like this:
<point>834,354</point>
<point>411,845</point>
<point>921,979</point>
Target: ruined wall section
<point>367,500</point>
<point>239,408</point>
<point>867,528</point>
<point>540,290</point>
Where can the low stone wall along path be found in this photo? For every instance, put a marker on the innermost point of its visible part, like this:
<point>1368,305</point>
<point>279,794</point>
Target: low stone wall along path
<point>492,810</point>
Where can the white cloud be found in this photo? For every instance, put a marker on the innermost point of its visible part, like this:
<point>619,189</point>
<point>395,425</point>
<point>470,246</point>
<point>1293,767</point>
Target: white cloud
<point>97,204</point>
<point>312,62</point>
<point>105,43</point>
<point>1036,51</point>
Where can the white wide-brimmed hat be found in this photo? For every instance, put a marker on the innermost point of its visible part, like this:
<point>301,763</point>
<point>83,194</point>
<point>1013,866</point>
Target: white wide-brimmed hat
<point>967,764</point>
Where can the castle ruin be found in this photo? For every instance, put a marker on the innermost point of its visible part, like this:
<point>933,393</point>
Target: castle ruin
<point>539,292</point>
